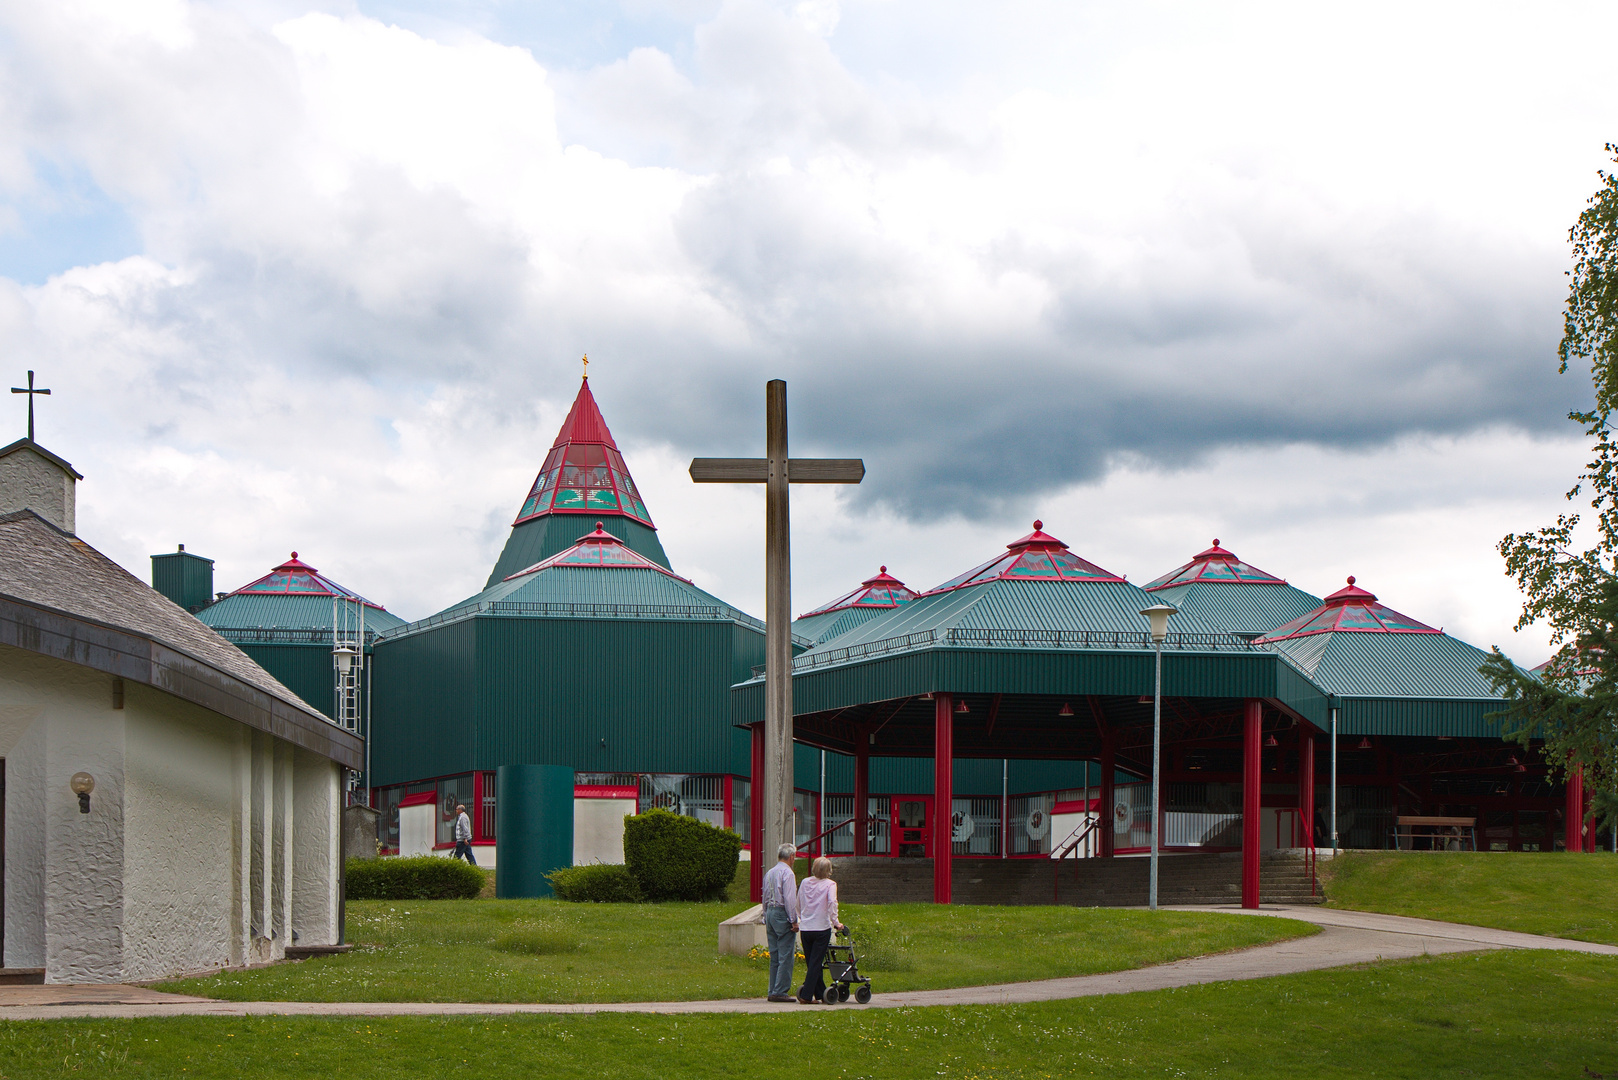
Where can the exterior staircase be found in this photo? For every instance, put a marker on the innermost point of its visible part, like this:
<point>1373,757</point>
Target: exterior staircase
<point>1119,882</point>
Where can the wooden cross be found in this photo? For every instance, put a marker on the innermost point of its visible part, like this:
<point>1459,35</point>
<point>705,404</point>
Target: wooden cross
<point>30,391</point>
<point>776,472</point>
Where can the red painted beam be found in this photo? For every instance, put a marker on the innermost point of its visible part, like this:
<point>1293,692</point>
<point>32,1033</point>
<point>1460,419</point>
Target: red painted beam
<point>1573,814</point>
<point>755,824</point>
<point>1252,751</point>
<point>943,793</point>
<point>862,794</point>
<point>1306,784</point>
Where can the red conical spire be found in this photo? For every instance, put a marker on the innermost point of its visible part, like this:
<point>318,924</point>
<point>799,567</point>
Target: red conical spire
<point>584,473</point>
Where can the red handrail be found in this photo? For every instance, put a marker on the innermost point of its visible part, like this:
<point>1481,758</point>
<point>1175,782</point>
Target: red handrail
<point>1068,846</point>
<point>802,848</point>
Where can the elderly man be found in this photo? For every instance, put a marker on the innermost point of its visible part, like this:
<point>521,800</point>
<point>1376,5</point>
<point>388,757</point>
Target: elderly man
<point>781,922</point>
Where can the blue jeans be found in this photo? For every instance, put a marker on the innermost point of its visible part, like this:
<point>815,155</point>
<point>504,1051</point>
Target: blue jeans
<point>463,850</point>
<point>783,943</point>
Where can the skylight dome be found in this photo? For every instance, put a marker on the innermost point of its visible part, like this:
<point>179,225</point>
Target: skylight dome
<point>1215,564</point>
<point>1035,557</point>
<point>882,591</point>
<point>297,578</point>
<point>1351,610</point>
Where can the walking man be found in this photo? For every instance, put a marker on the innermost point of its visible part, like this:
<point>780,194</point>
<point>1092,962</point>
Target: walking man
<point>463,835</point>
<point>781,922</point>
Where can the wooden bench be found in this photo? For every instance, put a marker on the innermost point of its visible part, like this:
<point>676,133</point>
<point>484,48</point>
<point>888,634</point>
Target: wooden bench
<point>1439,830</point>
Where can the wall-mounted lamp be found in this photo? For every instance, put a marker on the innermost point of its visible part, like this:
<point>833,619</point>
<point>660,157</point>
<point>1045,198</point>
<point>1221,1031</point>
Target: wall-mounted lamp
<point>82,784</point>
<point>344,656</point>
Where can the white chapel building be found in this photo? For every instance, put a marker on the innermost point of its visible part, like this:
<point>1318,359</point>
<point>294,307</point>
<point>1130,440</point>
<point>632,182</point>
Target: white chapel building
<point>169,807</point>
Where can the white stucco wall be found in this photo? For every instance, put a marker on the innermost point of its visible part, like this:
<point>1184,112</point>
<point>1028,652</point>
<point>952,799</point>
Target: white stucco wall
<point>207,843</point>
<point>29,481</point>
<point>598,830</point>
<point>178,812</point>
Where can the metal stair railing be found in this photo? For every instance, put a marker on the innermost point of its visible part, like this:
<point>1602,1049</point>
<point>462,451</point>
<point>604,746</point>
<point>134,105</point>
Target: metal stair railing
<point>1068,847</point>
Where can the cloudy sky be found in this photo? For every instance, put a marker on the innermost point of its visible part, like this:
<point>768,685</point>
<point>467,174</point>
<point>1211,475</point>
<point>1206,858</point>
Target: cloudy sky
<point>317,275</point>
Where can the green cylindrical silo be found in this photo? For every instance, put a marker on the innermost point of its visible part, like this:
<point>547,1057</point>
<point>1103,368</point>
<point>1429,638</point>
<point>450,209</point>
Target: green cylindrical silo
<point>533,832</point>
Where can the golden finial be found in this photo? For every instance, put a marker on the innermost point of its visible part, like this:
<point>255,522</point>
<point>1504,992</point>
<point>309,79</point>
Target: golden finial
<point>586,366</point>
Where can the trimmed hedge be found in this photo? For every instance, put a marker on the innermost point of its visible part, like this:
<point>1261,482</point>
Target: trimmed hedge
<point>679,858</point>
<point>595,884</point>
<point>421,877</point>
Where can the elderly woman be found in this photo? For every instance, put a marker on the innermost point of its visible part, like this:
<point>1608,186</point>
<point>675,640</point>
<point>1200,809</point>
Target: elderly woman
<point>817,916</point>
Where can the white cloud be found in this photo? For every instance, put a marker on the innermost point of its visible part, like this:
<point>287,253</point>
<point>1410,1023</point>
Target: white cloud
<point>1079,261</point>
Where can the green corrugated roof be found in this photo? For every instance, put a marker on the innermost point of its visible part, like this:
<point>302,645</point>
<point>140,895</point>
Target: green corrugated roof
<point>1240,607</point>
<point>829,624</point>
<point>1358,664</point>
<point>261,611</point>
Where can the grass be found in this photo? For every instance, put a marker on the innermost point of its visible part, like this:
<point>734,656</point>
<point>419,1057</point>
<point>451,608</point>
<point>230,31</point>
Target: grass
<point>1554,893</point>
<point>1498,1014</point>
<point>549,951</point>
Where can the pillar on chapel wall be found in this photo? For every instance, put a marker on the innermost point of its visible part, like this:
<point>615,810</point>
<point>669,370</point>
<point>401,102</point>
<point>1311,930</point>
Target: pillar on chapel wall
<point>943,793</point>
<point>755,819</point>
<point>1252,751</point>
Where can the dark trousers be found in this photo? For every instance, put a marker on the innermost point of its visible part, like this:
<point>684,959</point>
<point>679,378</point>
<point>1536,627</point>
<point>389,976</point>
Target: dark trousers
<point>463,850</point>
<point>814,954</point>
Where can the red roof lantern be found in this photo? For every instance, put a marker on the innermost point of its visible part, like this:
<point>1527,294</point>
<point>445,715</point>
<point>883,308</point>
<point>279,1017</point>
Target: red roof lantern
<point>1038,556</point>
<point>598,548</point>
<point>1349,610</point>
<point>881,591</point>
<point>584,473</point>
<point>1215,564</point>
<point>297,578</point>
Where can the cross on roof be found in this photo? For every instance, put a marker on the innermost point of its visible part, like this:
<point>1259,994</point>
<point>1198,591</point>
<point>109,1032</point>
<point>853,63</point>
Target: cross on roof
<point>30,391</point>
<point>776,471</point>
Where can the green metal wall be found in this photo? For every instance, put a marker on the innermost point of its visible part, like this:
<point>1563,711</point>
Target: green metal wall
<point>184,578</point>
<point>537,540</point>
<point>306,670</point>
<point>424,705</point>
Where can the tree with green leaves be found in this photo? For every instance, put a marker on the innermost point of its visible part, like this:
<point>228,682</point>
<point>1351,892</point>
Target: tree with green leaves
<point>1571,583</point>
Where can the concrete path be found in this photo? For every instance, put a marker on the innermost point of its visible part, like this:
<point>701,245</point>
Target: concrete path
<point>1346,938</point>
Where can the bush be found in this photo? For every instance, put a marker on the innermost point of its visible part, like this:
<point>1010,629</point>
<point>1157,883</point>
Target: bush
<point>596,884</point>
<point>679,858</point>
<point>422,877</point>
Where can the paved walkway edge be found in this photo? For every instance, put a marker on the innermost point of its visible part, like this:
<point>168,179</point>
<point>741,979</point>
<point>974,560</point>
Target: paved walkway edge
<point>1346,938</point>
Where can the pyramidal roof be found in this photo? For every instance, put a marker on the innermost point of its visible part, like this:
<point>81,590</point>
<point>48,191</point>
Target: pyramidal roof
<point>1215,564</point>
<point>297,578</point>
<point>1349,610</point>
<point>1035,557</point>
<point>598,549</point>
<point>881,591</point>
<point>584,473</point>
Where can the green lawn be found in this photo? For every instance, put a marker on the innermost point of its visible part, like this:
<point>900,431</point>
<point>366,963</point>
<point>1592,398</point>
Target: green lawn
<point>1572,896</point>
<point>1500,1014</point>
<point>545,950</point>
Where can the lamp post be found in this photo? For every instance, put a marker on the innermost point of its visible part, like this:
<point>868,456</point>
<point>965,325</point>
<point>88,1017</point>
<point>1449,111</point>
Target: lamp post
<point>1158,615</point>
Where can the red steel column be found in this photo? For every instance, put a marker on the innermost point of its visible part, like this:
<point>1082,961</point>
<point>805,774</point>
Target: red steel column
<point>862,795</point>
<point>1252,752</point>
<point>1109,761</point>
<point>755,818</point>
<point>943,793</point>
<point>1573,815</point>
<point>1306,784</point>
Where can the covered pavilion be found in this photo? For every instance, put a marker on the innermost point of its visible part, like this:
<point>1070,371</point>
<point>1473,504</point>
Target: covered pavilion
<point>1041,654</point>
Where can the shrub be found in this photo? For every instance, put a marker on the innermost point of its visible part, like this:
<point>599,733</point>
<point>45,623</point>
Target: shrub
<point>595,884</point>
<point>421,877</point>
<point>679,858</point>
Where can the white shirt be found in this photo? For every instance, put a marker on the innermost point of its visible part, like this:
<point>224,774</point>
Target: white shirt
<point>780,890</point>
<point>817,904</point>
<point>463,827</point>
